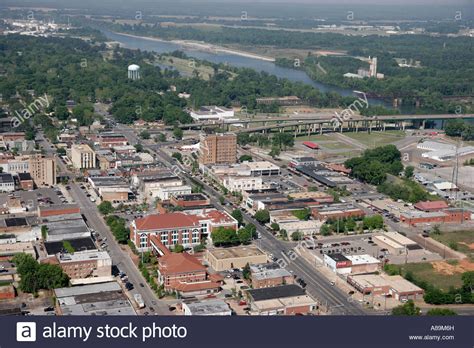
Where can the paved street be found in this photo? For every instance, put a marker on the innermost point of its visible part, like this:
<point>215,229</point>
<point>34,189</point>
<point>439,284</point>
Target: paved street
<point>119,257</point>
<point>318,285</point>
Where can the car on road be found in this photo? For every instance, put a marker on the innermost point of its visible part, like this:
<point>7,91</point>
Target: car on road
<point>92,199</point>
<point>129,286</point>
<point>142,285</point>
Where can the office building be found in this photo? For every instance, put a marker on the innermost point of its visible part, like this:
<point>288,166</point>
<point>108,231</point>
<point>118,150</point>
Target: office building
<point>43,170</point>
<point>82,156</point>
<point>218,148</point>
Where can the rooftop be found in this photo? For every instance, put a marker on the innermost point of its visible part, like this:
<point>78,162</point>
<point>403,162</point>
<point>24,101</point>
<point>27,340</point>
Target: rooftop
<point>240,251</point>
<point>276,292</point>
<point>268,271</point>
<point>172,263</point>
<point>208,307</point>
<point>166,221</point>
<point>6,178</point>
<point>434,205</point>
<point>338,257</point>
<point>362,259</point>
<point>79,244</point>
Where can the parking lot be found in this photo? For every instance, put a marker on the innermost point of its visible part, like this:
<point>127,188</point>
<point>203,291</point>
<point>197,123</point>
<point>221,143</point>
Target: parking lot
<point>32,199</point>
<point>349,245</point>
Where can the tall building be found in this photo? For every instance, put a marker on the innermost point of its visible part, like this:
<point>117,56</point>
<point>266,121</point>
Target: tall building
<point>42,170</point>
<point>220,148</point>
<point>82,156</point>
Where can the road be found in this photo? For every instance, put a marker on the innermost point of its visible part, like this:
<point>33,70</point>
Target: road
<point>119,257</point>
<point>318,286</point>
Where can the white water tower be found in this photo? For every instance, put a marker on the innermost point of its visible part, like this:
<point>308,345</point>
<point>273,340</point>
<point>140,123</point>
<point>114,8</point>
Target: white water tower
<point>133,72</point>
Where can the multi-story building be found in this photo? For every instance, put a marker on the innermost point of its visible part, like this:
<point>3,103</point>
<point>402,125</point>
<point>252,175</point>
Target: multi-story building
<point>15,165</point>
<point>7,184</point>
<point>171,228</point>
<point>86,264</point>
<point>43,170</point>
<point>182,272</point>
<point>82,156</point>
<point>108,140</point>
<point>218,148</point>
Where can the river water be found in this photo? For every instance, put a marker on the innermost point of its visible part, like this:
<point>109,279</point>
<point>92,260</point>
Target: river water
<point>146,44</point>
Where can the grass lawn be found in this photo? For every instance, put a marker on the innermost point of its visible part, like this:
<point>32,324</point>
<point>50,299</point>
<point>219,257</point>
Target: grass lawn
<point>426,272</point>
<point>461,238</point>
<point>314,137</point>
<point>377,138</point>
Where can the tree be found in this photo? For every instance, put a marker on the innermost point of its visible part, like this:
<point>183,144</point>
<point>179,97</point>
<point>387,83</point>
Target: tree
<point>105,208</point>
<point>409,171</point>
<point>61,151</point>
<point>408,308</point>
<point>178,133</point>
<point>246,273</point>
<point>178,248</point>
<point>178,156</point>
<point>44,232</point>
<point>296,236</point>
<point>245,158</point>
<point>325,230</point>
<point>274,152</point>
<point>161,137</point>
<point>138,147</point>
<point>274,226</point>
<point>225,237</point>
<point>262,216</point>
<point>35,276</point>
<point>237,214</point>
<point>441,312</point>
<point>145,135</point>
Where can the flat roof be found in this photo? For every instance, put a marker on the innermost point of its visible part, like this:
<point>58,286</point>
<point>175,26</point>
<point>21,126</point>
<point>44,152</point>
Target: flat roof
<point>277,292</point>
<point>208,307</point>
<point>235,252</point>
<point>79,244</point>
<point>399,238</point>
<point>362,259</point>
<point>84,256</point>
<point>337,257</point>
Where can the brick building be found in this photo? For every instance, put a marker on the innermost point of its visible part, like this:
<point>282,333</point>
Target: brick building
<point>268,275</point>
<point>452,215</point>
<point>172,228</point>
<point>58,209</point>
<point>182,272</point>
<point>26,181</point>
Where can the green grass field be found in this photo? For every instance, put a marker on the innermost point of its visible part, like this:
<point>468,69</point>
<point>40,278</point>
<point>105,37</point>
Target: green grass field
<point>376,139</point>
<point>426,272</point>
<point>461,238</point>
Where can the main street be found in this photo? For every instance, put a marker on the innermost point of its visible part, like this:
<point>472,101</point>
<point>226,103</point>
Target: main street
<point>120,258</point>
<point>318,286</point>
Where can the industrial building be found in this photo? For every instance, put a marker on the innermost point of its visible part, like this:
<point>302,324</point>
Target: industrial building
<point>395,286</point>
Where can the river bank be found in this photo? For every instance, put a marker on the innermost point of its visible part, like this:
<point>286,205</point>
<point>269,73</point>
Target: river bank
<point>202,46</point>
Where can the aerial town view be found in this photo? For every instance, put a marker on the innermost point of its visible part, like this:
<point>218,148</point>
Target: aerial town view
<point>224,158</point>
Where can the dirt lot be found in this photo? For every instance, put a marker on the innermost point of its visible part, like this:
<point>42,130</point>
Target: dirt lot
<point>449,268</point>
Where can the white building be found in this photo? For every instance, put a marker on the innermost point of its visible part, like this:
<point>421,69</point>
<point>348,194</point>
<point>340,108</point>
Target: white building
<point>7,184</point>
<point>212,113</point>
<point>214,307</point>
<point>166,192</point>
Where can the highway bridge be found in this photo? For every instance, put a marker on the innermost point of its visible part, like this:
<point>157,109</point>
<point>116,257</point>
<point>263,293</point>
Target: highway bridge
<point>319,123</point>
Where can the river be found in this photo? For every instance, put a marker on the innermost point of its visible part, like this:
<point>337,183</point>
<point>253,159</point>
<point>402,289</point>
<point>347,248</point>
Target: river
<point>147,44</point>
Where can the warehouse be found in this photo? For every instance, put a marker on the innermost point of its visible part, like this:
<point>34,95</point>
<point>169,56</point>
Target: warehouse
<point>395,286</point>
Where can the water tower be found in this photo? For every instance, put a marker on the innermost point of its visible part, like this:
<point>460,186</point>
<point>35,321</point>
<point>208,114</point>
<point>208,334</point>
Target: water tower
<point>133,72</point>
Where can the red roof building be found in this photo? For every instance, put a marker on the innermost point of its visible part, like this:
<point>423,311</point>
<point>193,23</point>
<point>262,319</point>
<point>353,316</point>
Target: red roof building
<point>183,273</point>
<point>431,206</point>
